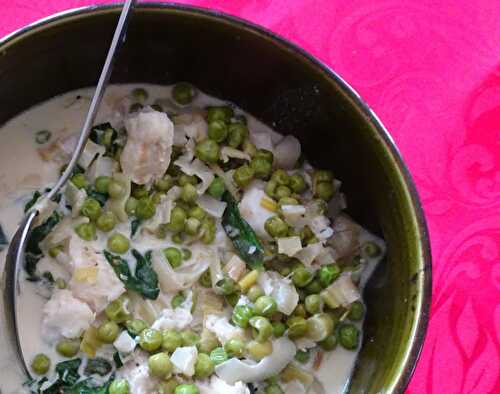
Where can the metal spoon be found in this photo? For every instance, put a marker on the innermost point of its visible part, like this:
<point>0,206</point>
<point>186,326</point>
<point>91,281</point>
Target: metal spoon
<point>15,254</point>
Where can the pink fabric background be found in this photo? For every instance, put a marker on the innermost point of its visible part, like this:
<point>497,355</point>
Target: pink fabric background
<point>431,71</point>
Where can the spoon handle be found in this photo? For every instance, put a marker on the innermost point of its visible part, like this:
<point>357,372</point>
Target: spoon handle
<point>118,39</point>
<point>17,247</point>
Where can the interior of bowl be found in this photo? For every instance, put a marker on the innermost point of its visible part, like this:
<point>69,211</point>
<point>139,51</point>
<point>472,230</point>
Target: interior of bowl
<point>285,88</point>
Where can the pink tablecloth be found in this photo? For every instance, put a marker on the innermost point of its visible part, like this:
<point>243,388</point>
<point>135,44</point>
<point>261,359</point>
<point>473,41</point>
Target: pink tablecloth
<point>430,69</point>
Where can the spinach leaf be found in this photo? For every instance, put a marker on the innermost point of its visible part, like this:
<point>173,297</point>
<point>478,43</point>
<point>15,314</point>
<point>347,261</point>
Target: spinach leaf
<point>104,134</point>
<point>100,197</point>
<point>68,371</point>
<point>33,252</point>
<point>3,239</point>
<point>244,239</point>
<point>32,201</point>
<point>144,281</point>
<point>134,226</point>
<point>98,365</point>
<point>117,359</point>
<point>86,387</point>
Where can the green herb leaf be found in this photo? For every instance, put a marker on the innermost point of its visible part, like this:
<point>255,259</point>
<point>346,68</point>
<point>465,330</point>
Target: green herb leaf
<point>145,279</point>
<point>3,239</point>
<point>86,387</point>
<point>117,359</point>
<point>244,239</point>
<point>100,197</point>
<point>32,201</point>
<point>134,226</point>
<point>99,366</point>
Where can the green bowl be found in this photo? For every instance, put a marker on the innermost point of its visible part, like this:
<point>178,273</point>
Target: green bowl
<point>288,89</point>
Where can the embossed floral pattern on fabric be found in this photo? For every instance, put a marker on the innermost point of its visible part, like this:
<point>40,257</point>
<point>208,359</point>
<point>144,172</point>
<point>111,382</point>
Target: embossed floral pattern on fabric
<point>431,71</point>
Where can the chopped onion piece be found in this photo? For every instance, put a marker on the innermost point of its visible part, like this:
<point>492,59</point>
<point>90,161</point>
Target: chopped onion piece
<point>289,245</point>
<point>293,213</point>
<point>198,168</point>
<point>227,153</point>
<point>89,153</point>
<point>74,197</point>
<point>287,152</point>
<point>309,253</point>
<point>342,292</point>
<point>102,166</point>
<point>163,210</point>
<point>213,206</point>
<point>124,343</point>
<point>235,370</point>
<point>235,268</point>
<point>281,289</point>
<point>262,140</point>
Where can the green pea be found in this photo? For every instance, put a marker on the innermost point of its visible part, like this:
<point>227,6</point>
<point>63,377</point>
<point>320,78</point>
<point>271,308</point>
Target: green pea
<point>242,315</point>
<point>262,168</point>
<point>226,286</point>
<point>42,136</point>
<point>117,311</point>
<point>281,177</point>
<point>327,274</point>
<point>55,250</point>
<point>91,209</point>
<point>167,387</point>
<point>217,131</point>
<point>183,93</point>
<point>243,175</point>
<point>79,181</point>
<point>61,283</point>
<point>300,310</point>
<point>171,340</point>
<point>208,229</point>
<point>40,364</point>
<point>178,218</point>
<point>302,356</point>
<point>140,94</point>
<point>218,355</point>
<point>297,327</point>
<point>297,183</point>
<point>237,134</point>
<point>115,189</point>
<point>349,336</point>
<point>189,194</point>
<point>356,311</point>
<point>259,350</point>
<point>324,190</point>
<point>204,366</point>
<point>370,249</point>
<point>234,347</point>
<point>232,299</point>
<point>164,184</point>
<point>187,389</point>
<point>156,197</point>
<point>160,366</point>
<point>118,243</point>
<point>139,191</point>
<point>136,326</point>
<point>190,338</point>
<point>323,176</point>
<point>102,184</point>
<point>319,327</point>
<point>301,277</point>
<point>208,341</point>
<point>192,226</point>
<point>86,231</point>
<point>223,113</point>
<point>119,386</point>
<point>314,287</point>
<point>264,154</point>
<point>185,179</point>
<point>217,188</point>
<point>197,213</point>
<point>206,279</point>
<point>279,329</point>
<point>276,227</point>
<point>68,347</point>
<point>177,300</point>
<point>131,206</point>
<point>207,150</point>
<point>273,389</point>
<point>108,332</point>
<point>287,201</point>
<point>270,188</point>
<point>313,303</point>
<point>106,222</point>
<point>282,191</point>
<point>285,271</point>
<point>262,328</point>
<point>106,139</point>
<point>329,343</point>
<point>265,306</point>
<point>145,209</point>
<point>177,238</point>
<point>254,293</point>
<point>174,256</point>
<point>249,148</point>
<point>135,107</point>
<point>150,339</point>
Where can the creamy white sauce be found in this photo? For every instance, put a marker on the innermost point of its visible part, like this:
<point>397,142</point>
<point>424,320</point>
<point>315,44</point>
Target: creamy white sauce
<point>22,171</point>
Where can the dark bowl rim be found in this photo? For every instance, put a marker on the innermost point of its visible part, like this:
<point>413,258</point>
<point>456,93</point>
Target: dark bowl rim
<point>409,364</point>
